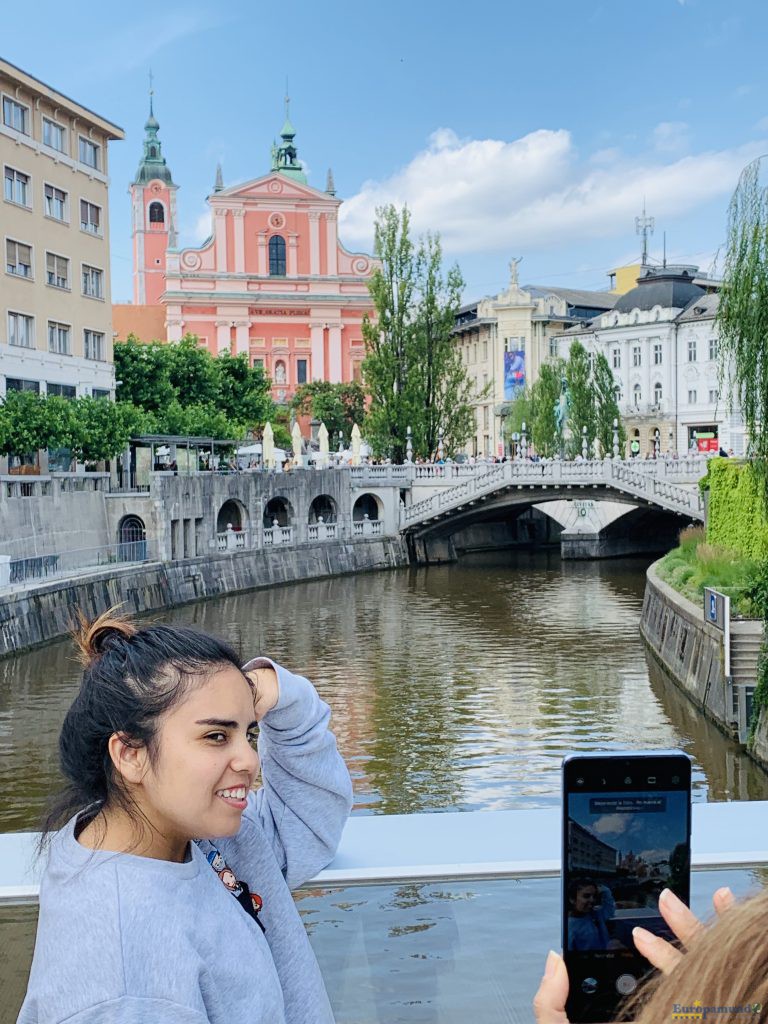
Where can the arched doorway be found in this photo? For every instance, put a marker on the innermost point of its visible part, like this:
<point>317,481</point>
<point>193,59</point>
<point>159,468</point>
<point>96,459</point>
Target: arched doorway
<point>131,540</point>
<point>231,514</point>
<point>366,506</point>
<point>323,507</point>
<point>279,509</point>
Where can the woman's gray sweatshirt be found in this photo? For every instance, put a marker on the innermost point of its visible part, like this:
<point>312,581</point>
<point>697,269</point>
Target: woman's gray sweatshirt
<point>123,939</point>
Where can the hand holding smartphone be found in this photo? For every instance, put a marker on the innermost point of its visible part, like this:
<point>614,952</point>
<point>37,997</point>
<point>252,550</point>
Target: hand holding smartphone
<point>626,836</point>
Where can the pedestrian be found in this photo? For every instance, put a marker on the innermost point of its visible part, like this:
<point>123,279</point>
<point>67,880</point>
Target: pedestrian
<point>141,918</point>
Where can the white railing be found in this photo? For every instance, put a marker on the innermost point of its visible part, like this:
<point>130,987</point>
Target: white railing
<point>275,535</point>
<point>368,528</point>
<point>321,531</point>
<point>456,845</point>
<point>232,540</point>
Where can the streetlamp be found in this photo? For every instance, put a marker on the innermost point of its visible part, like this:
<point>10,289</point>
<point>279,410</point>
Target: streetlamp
<point>584,443</point>
<point>524,444</point>
<point>440,446</point>
<point>615,439</point>
<point>516,445</point>
<point>408,446</point>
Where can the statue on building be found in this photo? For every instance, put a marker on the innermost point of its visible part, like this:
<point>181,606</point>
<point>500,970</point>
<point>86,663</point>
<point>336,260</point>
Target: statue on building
<point>514,281</point>
<point>280,373</point>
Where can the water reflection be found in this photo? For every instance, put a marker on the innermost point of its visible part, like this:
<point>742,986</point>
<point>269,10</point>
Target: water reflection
<point>455,686</point>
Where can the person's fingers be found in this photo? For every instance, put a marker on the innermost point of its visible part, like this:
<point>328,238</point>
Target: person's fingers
<point>549,1001</point>
<point>723,900</point>
<point>658,951</point>
<point>683,922</point>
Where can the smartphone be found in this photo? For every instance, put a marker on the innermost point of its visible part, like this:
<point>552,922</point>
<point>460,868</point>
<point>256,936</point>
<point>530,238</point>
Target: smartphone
<point>626,836</point>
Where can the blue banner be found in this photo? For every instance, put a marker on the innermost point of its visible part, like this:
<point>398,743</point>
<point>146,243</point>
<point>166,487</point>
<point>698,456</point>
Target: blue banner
<point>514,375</point>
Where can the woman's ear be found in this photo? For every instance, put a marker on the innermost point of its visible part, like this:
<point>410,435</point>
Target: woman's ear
<point>128,756</point>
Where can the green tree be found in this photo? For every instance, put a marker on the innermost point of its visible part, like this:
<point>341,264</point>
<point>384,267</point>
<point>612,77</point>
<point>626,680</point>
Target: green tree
<point>338,406</point>
<point>742,314</point>
<point>388,341</point>
<point>413,371</point>
<point>24,426</point>
<point>143,374</point>
<point>244,391</point>
<point>606,407</point>
<point>581,397</point>
<point>544,396</point>
<point>193,373</point>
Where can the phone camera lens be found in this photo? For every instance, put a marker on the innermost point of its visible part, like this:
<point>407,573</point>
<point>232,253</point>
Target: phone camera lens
<point>675,779</point>
<point>628,781</point>
<point>579,782</point>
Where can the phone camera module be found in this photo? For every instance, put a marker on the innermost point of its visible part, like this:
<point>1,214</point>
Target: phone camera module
<point>579,782</point>
<point>628,781</point>
<point>675,780</point>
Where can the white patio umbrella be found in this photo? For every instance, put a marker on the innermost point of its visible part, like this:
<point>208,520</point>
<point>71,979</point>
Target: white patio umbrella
<point>268,446</point>
<point>356,440</point>
<point>322,437</point>
<point>296,440</point>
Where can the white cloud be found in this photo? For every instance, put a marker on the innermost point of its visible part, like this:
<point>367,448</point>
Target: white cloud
<point>670,137</point>
<point>612,824</point>
<point>486,195</point>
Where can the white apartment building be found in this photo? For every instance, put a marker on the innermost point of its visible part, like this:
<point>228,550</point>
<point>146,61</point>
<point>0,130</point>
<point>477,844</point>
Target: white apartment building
<point>55,301</point>
<point>660,340</point>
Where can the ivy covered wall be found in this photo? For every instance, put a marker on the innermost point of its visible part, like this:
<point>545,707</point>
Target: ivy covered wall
<point>735,518</point>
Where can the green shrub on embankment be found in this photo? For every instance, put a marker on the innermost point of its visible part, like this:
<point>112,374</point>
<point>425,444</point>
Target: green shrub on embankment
<point>736,517</point>
<point>696,563</point>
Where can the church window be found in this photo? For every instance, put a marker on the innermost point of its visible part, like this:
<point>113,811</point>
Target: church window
<point>156,213</point>
<point>277,256</point>
<point>637,396</point>
<point>301,371</point>
<point>153,151</point>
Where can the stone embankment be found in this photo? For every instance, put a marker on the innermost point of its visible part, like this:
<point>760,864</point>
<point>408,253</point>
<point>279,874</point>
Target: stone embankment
<point>42,612</point>
<point>690,652</point>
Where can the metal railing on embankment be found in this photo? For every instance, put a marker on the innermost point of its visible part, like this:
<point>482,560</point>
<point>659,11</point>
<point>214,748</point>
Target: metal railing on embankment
<point>49,565</point>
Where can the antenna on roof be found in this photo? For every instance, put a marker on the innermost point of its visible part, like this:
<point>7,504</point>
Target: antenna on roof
<point>644,226</point>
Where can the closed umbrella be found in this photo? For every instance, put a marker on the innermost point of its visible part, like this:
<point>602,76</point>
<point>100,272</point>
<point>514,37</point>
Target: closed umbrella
<point>322,437</point>
<point>268,447</point>
<point>356,445</point>
<point>296,439</point>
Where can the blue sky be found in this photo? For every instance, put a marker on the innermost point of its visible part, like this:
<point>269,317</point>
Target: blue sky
<point>513,129</point>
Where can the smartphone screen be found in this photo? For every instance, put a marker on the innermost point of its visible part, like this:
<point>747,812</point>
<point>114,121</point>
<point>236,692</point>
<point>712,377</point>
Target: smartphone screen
<point>626,836</point>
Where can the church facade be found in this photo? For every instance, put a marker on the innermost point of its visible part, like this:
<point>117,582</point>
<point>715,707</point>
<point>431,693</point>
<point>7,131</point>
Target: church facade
<point>272,281</point>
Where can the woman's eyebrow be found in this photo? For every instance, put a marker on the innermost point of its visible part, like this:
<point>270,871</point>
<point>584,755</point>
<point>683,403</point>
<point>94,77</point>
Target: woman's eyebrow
<point>224,723</point>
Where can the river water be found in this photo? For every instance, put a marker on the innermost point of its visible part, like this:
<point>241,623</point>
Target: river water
<point>457,687</point>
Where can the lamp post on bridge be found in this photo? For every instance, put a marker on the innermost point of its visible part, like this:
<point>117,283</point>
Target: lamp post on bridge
<point>440,446</point>
<point>523,443</point>
<point>584,443</point>
<point>408,446</point>
<point>672,445</point>
<point>615,439</point>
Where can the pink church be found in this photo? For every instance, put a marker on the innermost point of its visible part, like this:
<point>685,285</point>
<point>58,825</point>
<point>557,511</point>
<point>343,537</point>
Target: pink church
<point>272,280</point>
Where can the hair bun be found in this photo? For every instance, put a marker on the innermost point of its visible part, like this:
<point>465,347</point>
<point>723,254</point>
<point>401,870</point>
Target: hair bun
<point>93,637</point>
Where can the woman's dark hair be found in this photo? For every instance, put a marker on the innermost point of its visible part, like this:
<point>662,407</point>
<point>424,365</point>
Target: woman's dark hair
<point>132,676</point>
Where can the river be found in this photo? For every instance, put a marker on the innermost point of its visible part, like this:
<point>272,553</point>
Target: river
<point>456,687</point>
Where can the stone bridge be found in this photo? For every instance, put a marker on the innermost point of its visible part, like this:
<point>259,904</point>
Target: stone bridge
<point>584,496</point>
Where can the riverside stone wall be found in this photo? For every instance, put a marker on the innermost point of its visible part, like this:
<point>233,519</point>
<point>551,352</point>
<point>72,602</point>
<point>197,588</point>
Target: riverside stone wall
<point>44,612</point>
<point>690,651</point>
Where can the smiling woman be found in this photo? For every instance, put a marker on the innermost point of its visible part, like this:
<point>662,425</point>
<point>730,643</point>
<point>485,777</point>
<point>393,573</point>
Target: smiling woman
<point>161,826</point>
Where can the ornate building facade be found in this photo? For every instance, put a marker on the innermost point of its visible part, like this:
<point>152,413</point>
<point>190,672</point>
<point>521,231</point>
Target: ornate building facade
<point>272,280</point>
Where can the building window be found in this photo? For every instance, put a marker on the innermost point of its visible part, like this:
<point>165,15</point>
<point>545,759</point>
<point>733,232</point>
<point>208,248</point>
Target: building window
<point>713,348</point>
<point>17,384</point>
<point>16,187</point>
<point>100,393</point>
<point>617,394</point>
<point>58,338</point>
<point>485,349</point>
<point>277,256</point>
<point>657,393</point>
<point>301,371</point>
<point>553,348</point>
<point>90,153</point>
<point>55,203</point>
<point>636,356</point>
<point>57,270</point>
<point>486,417</point>
<point>156,213</point>
<point>692,397</point>
<point>657,356</point>
<point>21,330</point>
<point>714,396</point>
<point>357,373</point>
<point>62,390</point>
<point>474,352</point>
<point>53,135</point>
<point>90,217</point>
<point>637,396</point>
<point>93,345</point>
<point>692,351</point>
<point>93,282</point>
<point>18,258</point>
<point>617,358</point>
<point>15,115</point>
<point>258,362</point>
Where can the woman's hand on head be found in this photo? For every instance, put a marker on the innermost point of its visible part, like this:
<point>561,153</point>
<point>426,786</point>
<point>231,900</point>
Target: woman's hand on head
<point>549,1001</point>
<point>266,690</point>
